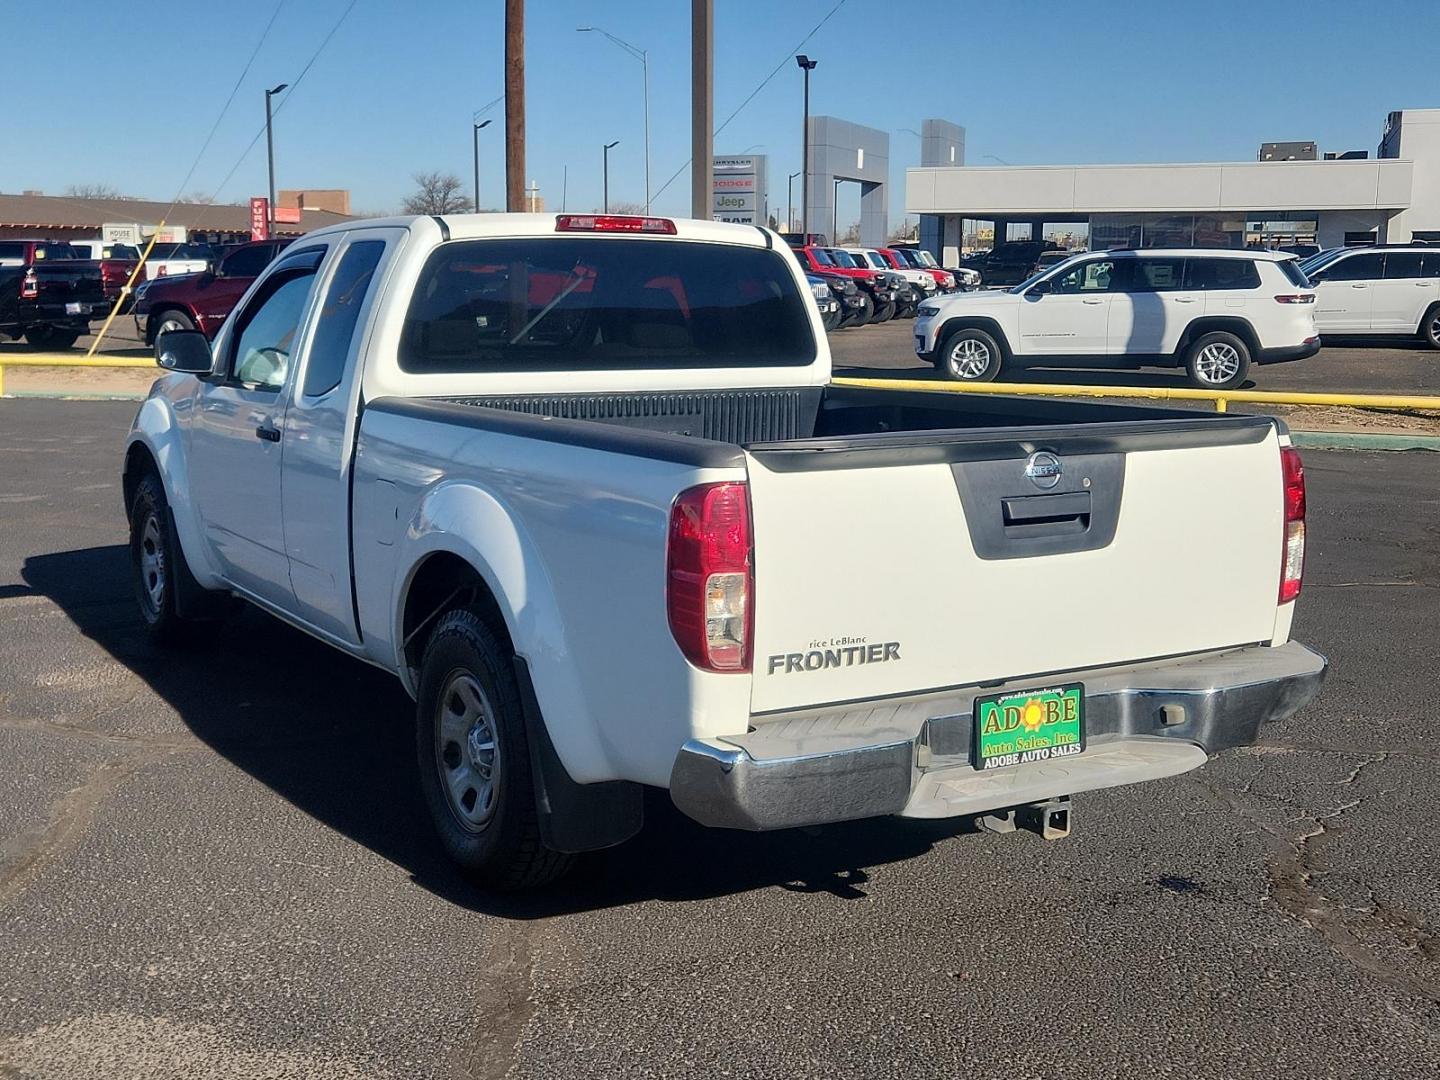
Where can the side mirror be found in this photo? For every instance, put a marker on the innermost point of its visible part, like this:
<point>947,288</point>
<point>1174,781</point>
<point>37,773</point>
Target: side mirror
<point>186,351</point>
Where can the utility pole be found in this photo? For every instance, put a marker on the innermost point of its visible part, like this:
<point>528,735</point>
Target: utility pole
<point>270,158</point>
<point>702,107</point>
<point>806,65</point>
<point>606,151</point>
<point>515,105</point>
<point>476,133</point>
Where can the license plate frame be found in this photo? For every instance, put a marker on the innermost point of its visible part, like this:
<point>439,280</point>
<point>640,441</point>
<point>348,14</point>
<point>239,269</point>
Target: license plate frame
<point>75,307</point>
<point>1011,740</point>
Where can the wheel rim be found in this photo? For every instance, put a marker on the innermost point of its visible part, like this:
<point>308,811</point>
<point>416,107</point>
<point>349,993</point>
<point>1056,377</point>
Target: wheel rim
<point>467,753</point>
<point>166,325</point>
<point>1435,328</point>
<point>152,563</point>
<point>968,359</point>
<point>1218,362</point>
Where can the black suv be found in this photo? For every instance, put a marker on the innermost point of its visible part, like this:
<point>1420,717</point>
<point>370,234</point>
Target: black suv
<point>1009,263</point>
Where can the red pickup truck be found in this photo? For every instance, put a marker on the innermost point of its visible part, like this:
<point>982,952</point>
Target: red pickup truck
<point>201,301</point>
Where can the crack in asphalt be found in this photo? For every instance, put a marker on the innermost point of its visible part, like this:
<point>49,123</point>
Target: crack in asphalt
<point>1294,888</point>
<point>510,977</point>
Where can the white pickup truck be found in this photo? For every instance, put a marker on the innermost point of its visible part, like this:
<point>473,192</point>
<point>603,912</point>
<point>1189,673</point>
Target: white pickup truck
<point>581,484</point>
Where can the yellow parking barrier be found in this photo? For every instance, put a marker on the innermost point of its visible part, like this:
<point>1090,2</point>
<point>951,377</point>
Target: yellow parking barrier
<point>1221,398</point>
<point>68,360</point>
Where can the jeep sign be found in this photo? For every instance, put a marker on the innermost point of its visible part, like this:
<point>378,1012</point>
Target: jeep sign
<point>738,190</point>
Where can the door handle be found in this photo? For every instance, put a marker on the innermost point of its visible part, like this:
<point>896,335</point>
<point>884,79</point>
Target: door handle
<point>268,433</point>
<point>1092,301</point>
<point>1359,285</point>
<point>1184,299</point>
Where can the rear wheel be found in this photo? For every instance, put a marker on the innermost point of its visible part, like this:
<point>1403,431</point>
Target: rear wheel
<point>970,355</point>
<point>1430,327</point>
<point>475,759</point>
<point>1217,361</point>
<point>51,337</point>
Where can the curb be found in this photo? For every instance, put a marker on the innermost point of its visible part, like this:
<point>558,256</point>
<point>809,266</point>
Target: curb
<point>59,395</point>
<point>1356,440</point>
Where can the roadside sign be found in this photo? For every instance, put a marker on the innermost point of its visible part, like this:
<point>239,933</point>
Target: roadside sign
<point>287,215</point>
<point>737,193</point>
<point>121,233</point>
<point>259,223</point>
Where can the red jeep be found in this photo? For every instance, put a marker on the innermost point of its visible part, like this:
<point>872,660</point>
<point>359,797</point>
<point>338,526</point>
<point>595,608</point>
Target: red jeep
<point>201,301</point>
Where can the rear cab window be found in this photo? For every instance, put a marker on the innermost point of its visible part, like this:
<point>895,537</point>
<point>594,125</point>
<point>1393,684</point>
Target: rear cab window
<point>588,303</point>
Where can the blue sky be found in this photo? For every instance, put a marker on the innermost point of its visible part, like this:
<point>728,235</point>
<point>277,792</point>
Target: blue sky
<point>1032,81</point>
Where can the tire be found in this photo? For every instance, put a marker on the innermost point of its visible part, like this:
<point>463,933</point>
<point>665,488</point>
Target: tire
<point>831,320</point>
<point>51,337</point>
<point>884,312</point>
<point>1430,327</point>
<point>166,320</point>
<point>1217,361</point>
<point>970,355</point>
<point>863,312</point>
<point>155,561</point>
<point>474,758</point>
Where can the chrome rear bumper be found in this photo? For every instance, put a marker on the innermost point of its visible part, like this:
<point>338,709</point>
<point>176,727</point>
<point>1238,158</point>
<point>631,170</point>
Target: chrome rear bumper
<point>911,756</point>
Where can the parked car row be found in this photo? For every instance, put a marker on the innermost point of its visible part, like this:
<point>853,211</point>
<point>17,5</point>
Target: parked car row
<point>856,286</point>
<point>50,290</point>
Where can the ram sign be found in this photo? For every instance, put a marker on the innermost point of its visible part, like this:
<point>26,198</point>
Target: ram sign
<point>738,190</point>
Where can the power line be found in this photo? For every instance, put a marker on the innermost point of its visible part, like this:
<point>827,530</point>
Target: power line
<point>286,100</point>
<point>763,83</point>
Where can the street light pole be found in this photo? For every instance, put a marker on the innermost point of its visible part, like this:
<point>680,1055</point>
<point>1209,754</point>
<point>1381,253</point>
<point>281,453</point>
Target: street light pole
<point>790,202</point>
<point>644,58</point>
<point>606,152</point>
<point>476,139</point>
<point>270,157</point>
<point>806,65</point>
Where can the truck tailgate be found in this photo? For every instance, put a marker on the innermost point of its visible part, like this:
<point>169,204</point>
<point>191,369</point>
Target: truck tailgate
<point>894,566</point>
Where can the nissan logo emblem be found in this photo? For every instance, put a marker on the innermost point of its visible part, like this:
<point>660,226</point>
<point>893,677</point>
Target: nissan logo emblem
<point>1044,469</point>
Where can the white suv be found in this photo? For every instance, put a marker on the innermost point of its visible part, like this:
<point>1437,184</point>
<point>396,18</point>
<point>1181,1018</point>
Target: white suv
<point>1213,310</point>
<point>1377,290</point>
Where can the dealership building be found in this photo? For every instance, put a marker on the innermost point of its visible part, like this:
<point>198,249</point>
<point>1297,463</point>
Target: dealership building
<point>1287,197</point>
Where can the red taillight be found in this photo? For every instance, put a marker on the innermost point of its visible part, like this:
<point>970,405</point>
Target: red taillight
<point>709,580</point>
<point>1296,298</point>
<point>29,287</point>
<point>1292,559</point>
<point>625,223</point>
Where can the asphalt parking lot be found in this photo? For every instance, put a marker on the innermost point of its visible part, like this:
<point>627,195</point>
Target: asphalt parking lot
<point>1345,365</point>
<point>214,862</point>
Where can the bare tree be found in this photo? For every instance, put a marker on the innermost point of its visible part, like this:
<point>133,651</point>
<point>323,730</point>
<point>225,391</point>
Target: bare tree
<point>437,193</point>
<point>96,191</point>
<point>630,209</point>
<point>851,235</point>
<point>200,198</point>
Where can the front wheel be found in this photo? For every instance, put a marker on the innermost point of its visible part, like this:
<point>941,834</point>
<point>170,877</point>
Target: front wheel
<point>861,315</point>
<point>970,355</point>
<point>1217,361</point>
<point>884,312</point>
<point>168,320</point>
<point>1430,329</point>
<point>475,759</point>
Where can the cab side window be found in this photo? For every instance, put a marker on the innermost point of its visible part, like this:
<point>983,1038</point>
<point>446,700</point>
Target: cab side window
<point>247,261</point>
<point>267,331</point>
<point>339,314</point>
<point>1156,275</point>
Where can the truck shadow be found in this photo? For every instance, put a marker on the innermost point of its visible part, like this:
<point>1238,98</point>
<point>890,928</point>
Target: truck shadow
<point>334,737</point>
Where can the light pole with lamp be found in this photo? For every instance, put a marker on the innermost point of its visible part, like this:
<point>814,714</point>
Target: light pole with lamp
<point>790,202</point>
<point>476,140</point>
<point>270,157</point>
<point>806,65</point>
<point>606,152</point>
<point>641,55</point>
